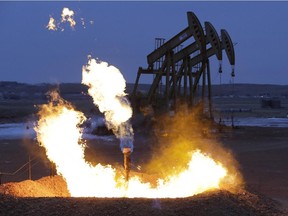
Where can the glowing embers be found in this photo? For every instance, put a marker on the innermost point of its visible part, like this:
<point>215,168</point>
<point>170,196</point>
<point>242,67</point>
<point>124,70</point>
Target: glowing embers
<point>52,24</point>
<point>67,16</point>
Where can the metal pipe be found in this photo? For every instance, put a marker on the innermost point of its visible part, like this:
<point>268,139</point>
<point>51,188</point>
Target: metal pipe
<point>127,162</point>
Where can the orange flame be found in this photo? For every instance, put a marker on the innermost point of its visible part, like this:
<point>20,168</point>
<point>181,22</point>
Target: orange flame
<point>58,131</point>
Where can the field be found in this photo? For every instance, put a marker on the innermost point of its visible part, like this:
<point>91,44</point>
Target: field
<point>260,151</point>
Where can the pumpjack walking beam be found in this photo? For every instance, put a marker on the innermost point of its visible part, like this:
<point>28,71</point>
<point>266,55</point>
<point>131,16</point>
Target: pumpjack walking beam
<point>212,38</point>
<point>166,50</point>
<point>194,29</point>
<point>194,54</point>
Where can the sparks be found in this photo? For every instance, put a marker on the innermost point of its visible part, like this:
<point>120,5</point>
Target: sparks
<point>51,24</point>
<point>68,16</point>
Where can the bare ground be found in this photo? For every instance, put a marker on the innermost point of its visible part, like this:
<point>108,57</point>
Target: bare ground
<point>209,203</point>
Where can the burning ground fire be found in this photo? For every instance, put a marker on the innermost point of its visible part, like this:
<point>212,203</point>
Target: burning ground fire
<point>59,132</point>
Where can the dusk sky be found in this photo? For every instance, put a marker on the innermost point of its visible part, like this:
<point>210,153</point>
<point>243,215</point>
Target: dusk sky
<point>123,33</point>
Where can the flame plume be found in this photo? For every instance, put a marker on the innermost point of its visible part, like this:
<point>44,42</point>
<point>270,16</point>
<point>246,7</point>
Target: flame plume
<point>59,133</point>
<point>107,88</point>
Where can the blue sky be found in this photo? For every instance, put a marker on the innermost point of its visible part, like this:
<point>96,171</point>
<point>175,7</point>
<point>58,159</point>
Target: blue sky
<point>123,35</point>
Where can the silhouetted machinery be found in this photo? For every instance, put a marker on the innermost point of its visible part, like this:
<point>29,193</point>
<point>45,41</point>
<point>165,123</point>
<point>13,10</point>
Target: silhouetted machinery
<point>182,68</point>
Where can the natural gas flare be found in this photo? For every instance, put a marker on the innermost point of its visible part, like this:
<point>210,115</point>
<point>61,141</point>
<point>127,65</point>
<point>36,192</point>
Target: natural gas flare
<point>59,133</point>
<point>107,88</point>
<point>109,95</point>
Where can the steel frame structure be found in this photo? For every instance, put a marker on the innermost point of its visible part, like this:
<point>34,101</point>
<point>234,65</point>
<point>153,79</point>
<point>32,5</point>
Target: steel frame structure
<point>182,82</point>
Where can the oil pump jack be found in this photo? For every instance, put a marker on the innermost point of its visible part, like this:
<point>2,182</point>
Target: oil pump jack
<point>182,69</point>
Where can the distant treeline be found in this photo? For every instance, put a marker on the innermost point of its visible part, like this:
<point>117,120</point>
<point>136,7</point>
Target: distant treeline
<point>16,90</point>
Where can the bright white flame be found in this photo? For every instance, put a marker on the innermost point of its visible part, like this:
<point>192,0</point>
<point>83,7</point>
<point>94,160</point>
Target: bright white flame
<point>107,88</point>
<point>58,132</point>
<point>51,24</point>
<point>68,16</point>
<point>202,173</point>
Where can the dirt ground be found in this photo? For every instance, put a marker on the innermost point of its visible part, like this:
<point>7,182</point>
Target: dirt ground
<point>215,203</point>
<point>261,153</point>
